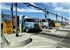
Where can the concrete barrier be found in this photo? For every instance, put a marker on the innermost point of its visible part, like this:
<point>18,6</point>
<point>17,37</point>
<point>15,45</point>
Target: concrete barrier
<point>49,30</point>
<point>22,40</point>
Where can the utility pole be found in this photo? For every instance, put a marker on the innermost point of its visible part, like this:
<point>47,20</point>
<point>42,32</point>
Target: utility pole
<point>11,14</point>
<point>16,21</point>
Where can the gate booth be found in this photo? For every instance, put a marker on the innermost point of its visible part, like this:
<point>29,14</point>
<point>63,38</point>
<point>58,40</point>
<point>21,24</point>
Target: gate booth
<point>7,26</point>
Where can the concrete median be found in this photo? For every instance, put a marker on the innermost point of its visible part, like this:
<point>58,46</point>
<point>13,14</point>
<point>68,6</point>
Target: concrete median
<point>17,41</point>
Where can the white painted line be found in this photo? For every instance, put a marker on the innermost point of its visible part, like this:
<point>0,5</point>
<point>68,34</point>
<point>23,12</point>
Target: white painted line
<point>59,42</point>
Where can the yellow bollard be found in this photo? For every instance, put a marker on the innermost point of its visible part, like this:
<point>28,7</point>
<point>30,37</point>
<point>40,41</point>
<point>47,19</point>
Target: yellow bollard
<point>40,25</point>
<point>20,28</point>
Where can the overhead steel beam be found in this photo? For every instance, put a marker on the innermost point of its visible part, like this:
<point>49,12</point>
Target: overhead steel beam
<point>28,4</point>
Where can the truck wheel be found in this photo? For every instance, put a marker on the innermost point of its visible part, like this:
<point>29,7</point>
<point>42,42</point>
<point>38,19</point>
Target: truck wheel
<point>27,30</point>
<point>45,27</point>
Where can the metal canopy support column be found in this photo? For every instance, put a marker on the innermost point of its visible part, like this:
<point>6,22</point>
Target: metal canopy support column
<point>16,21</point>
<point>56,17</point>
<point>62,19</point>
<point>65,19</point>
<point>11,13</point>
<point>2,16</point>
<point>46,17</point>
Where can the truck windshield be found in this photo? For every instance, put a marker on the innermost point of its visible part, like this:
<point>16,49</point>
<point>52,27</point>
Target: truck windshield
<point>30,20</point>
<point>43,20</point>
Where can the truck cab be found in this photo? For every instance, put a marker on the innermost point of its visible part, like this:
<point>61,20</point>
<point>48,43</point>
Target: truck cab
<point>47,23</point>
<point>29,24</point>
<point>62,23</point>
<point>44,23</point>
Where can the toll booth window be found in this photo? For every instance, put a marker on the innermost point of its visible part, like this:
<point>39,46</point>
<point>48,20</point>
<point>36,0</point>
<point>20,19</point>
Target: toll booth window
<point>30,20</point>
<point>6,17</point>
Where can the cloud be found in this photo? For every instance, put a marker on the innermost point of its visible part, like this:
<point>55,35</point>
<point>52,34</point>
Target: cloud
<point>4,7</point>
<point>46,4</point>
<point>32,3</point>
<point>59,6</point>
<point>61,9</point>
<point>26,9</point>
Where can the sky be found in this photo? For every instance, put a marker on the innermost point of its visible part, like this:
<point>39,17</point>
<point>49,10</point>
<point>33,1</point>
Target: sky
<point>61,8</point>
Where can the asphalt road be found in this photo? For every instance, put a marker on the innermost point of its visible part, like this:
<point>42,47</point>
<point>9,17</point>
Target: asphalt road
<point>65,42</point>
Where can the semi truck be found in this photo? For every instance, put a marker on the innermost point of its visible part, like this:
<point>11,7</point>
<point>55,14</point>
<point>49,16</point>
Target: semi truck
<point>29,24</point>
<point>47,23</point>
<point>44,23</point>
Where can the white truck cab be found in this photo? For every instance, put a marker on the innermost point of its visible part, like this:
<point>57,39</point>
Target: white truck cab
<point>44,23</point>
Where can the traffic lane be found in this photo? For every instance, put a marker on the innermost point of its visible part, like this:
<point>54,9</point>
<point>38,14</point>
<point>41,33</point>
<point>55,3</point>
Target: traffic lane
<point>65,42</point>
<point>45,35</point>
<point>43,40</point>
<point>57,39</point>
<point>50,39</point>
<point>64,30</point>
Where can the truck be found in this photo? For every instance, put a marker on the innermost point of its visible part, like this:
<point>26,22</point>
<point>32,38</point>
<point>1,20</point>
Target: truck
<point>62,23</point>
<point>44,23</point>
<point>47,23</point>
<point>29,24</point>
